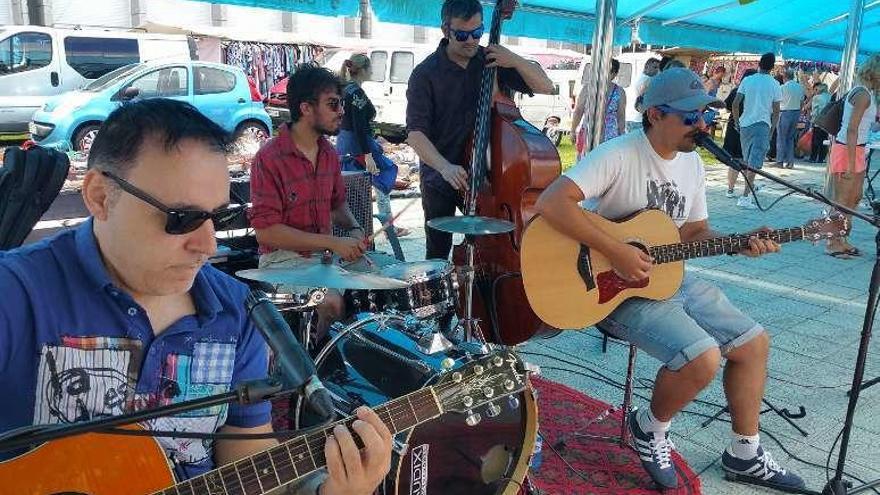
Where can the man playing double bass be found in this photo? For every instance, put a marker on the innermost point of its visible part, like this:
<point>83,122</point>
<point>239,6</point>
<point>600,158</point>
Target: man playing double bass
<point>442,104</point>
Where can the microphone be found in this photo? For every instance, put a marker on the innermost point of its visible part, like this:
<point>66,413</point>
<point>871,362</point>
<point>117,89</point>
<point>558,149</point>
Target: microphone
<point>705,141</point>
<point>296,367</point>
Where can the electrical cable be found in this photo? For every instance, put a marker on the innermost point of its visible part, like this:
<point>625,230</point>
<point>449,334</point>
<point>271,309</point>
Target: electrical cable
<point>768,434</point>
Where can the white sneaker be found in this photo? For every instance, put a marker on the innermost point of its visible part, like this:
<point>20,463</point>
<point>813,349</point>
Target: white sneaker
<point>746,202</point>
<point>730,193</point>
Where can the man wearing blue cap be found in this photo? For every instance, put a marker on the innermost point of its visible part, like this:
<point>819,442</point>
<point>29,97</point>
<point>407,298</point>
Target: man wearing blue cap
<point>657,168</point>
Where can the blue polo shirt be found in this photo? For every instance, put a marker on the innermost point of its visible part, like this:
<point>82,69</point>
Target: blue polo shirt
<point>74,347</point>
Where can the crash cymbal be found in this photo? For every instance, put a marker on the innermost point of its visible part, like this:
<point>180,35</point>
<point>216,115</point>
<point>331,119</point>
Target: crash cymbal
<point>321,275</point>
<point>471,225</point>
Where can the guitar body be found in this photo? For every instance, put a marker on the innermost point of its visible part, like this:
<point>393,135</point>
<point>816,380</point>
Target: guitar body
<point>91,464</point>
<point>570,286</point>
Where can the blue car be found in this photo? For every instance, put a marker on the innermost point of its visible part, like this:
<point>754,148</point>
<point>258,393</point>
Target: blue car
<point>71,120</point>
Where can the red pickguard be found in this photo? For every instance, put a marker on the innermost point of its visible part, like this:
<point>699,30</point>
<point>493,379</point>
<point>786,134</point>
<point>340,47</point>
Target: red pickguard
<point>609,285</point>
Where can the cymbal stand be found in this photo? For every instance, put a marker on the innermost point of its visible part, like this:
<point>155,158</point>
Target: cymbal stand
<point>471,325</point>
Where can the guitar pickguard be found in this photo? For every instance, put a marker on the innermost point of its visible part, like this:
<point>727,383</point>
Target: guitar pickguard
<point>610,284</point>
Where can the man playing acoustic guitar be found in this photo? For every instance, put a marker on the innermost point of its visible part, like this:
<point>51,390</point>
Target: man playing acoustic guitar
<point>122,314</point>
<point>657,168</point>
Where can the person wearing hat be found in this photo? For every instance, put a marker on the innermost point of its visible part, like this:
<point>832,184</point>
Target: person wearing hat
<point>656,167</point>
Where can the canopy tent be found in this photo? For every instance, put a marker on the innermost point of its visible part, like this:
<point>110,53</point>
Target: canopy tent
<point>796,29</point>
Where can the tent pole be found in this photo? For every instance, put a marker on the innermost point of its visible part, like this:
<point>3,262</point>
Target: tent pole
<point>851,48</point>
<point>597,81</point>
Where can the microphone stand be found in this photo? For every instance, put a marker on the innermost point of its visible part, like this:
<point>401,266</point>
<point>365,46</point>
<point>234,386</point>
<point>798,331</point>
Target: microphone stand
<point>837,485</point>
<point>249,392</point>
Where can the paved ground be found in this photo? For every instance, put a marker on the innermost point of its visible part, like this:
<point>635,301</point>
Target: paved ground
<point>811,304</point>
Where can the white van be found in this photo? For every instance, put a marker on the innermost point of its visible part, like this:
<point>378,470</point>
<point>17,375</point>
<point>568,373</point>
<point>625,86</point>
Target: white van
<point>391,66</point>
<point>38,62</point>
<point>552,113</point>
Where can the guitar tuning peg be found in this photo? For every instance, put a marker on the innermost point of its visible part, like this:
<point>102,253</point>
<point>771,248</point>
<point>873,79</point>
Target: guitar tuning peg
<point>513,402</point>
<point>473,418</point>
<point>493,410</point>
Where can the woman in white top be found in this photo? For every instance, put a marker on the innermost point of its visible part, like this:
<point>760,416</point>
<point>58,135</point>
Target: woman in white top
<point>847,165</point>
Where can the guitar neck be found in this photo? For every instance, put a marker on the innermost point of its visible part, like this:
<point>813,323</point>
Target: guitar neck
<point>293,459</point>
<point>669,253</point>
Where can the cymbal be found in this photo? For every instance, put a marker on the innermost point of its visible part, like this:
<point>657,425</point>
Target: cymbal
<point>322,275</point>
<point>471,225</point>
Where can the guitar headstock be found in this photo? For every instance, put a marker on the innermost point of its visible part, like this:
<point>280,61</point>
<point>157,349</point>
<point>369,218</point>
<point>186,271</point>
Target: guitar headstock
<point>505,8</point>
<point>481,382</point>
<point>831,226</point>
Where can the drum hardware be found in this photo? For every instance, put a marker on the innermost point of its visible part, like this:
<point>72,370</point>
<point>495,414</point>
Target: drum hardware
<point>330,275</point>
<point>471,225</point>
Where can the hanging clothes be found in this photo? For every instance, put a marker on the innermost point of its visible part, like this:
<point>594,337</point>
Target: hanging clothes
<point>268,63</point>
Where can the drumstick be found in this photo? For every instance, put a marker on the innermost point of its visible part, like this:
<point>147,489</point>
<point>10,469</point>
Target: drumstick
<point>390,222</point>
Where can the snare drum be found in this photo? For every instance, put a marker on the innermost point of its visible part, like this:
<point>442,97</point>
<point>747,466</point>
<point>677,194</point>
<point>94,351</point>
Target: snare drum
<point>432,290</point>
<point>376,359</point>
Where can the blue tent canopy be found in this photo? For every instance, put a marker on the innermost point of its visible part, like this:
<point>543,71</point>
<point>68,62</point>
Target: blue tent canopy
<point>797,29</point>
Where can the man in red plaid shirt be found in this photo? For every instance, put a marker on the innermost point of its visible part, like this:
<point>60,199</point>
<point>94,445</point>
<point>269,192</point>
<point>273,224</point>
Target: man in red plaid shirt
<point>296,186</point>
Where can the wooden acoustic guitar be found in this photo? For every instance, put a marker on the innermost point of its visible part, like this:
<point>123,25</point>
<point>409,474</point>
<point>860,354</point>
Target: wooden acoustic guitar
<point>571,286</point>
<point>104,464</point>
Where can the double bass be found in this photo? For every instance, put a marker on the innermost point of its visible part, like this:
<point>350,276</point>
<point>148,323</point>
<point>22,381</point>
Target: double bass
<point>522,162</point>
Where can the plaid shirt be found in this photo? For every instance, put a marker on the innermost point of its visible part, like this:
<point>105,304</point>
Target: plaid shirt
<point>287,189</point>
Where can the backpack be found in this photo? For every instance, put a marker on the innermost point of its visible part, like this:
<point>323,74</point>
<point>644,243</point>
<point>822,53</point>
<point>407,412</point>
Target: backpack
<point>830,119</point>
<point>30,180</point>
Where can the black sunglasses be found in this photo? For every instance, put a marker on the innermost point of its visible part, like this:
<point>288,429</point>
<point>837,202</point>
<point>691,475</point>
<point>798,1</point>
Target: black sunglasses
<point>462,36</point>
<point>180,221</point>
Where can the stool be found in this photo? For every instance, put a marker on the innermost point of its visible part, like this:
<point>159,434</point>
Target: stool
<point>628,384</point>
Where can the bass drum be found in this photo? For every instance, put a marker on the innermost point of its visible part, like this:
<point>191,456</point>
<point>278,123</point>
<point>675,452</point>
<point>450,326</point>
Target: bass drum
<point>371,362</point>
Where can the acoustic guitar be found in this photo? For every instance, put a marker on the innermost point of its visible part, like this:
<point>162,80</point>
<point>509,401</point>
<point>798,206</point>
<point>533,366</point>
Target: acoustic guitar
<point>571,286</point>
<point>104,464</point>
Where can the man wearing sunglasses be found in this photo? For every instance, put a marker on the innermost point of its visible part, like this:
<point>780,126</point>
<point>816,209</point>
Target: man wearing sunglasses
<point>656,167</point>
<point>122,313</point>
<point>297,189</point>
<point>442,103</point>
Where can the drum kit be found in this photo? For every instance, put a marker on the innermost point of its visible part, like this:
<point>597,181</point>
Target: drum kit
<point>403,334</point>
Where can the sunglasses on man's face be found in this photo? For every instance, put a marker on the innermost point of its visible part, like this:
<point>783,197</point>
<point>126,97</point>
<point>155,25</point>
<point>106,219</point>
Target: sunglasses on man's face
<point>462,36</point>
<point>689,118</point>
<point>179,221</point>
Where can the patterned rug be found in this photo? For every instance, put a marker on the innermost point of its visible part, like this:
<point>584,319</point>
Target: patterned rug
<point>608,468</point>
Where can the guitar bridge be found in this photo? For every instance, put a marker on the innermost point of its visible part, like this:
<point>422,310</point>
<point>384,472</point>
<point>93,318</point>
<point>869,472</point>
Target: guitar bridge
<point>585,269</point>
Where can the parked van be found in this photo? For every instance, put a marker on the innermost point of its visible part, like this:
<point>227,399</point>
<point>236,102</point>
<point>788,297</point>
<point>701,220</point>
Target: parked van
<point>220,92</point>
<point>552,113</point>
<point>38,62</point>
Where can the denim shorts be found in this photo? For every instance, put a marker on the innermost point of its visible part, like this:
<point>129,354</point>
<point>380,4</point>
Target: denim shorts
<point>755,140</point>
<point>676,331</point>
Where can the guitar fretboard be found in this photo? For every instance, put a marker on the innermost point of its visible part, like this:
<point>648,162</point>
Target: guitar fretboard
<point>668,253</point>
<point>293,459</point>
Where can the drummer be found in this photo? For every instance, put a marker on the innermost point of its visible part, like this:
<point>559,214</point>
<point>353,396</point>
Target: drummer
<point>297,189</point>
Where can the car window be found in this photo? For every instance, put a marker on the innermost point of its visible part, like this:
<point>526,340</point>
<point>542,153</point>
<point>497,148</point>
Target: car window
<point>111,78</point>
<point>378,62</point>
<point>209,81</point>
<point>401,66</point>
<point>25,51</point>
<point>94,57</point>
<point>165,82</point>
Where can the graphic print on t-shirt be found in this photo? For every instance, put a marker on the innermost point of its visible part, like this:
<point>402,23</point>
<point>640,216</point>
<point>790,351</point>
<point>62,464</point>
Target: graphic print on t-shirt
<point>85,378</point>
<point>666,197</point>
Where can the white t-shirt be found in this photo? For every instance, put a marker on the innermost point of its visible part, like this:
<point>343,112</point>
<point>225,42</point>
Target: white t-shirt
<point>625,175</point>
<point>792,96</point>
<point>759,92</point>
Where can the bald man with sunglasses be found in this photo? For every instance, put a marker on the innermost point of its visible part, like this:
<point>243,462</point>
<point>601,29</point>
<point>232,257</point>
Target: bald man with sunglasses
<point>123,314</point>
<point>442,105</point>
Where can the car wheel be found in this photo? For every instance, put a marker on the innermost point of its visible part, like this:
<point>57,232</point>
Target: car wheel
<point>85,137</point>
<point>252,131</point>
